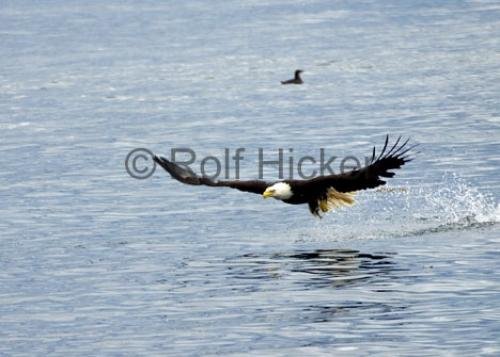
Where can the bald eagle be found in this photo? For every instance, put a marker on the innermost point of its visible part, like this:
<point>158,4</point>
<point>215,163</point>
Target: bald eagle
<point>322,193</point>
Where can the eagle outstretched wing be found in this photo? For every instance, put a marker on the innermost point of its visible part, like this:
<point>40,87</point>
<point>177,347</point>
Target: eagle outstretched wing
<point>371,175</point>
<point>328,192</point>
<point>187,176</point>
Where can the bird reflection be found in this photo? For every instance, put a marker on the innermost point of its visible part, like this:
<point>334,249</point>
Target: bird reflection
<point>313,269</point>
<point>303,280</point>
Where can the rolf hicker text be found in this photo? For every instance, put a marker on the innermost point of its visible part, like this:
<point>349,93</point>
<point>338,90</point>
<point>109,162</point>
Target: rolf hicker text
<point>283,161</point>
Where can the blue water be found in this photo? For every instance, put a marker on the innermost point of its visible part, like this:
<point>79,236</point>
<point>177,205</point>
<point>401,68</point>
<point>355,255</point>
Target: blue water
<point>94,262</point>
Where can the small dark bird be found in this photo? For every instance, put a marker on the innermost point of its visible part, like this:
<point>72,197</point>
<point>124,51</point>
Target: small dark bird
<point>322,193</point>
<point>296,79</point>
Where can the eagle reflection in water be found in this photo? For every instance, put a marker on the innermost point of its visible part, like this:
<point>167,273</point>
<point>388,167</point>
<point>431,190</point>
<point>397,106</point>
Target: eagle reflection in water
<point>321,275</point>
<point>323,267</point>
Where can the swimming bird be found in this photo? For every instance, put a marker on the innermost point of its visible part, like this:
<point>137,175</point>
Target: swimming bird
<point>322,193</point>
<point>296,79</point>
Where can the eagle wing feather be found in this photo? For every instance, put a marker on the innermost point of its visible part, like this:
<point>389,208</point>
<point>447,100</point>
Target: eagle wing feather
<point>369,176</point>
<point>187,176</point>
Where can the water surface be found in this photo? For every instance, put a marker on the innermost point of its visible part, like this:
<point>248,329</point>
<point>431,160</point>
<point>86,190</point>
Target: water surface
<point>93,262</point>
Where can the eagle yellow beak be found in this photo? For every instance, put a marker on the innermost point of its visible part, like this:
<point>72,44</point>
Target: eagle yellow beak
<point>268,193</point>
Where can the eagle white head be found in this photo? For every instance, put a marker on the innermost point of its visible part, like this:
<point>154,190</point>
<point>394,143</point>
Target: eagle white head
<point>280,191</point>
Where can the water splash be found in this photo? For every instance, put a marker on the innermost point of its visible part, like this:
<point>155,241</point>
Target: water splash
<point>453,204</point>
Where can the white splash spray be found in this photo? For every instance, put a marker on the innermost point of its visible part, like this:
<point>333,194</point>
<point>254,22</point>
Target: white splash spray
<point>452,204</point>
